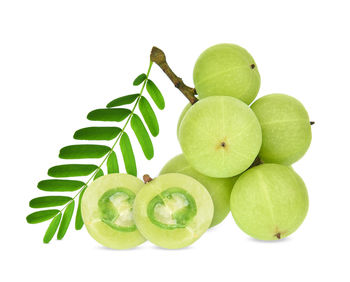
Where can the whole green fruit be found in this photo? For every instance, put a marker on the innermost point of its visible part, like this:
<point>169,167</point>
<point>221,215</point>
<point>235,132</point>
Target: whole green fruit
<point>286,129</point>
<point>218,188</point>
<point>269,201</point>
<point>220,136</point>
<point>173,210</point>
<point>226,70</point>
<point>106,208</point>
<point>181,117</point>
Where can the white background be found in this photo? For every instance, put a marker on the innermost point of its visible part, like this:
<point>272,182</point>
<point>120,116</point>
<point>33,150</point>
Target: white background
<point>61,59</point>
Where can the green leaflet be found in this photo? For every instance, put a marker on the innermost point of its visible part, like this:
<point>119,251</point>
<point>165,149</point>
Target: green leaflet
<point>83,151</point>
<point>142,135</point>
<point>60,221</point>
<point>155,94</point>
<point>66,219</point>
<point>79,223</point>
<point>98,174</point>
<point>138,80</point>
<point>97,133</point>
<point>124,100</point>
<point>128,155</point>
<point>71,170</point>
<point>149,116</point>
<point>49,201</point>
<point>118,114</point>
<point>112,163</point>
<point>58,185</point>
<point>41,216</point>
<point>51,230</point>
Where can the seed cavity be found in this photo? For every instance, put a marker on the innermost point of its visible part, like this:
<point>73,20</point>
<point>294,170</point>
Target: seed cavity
<point>171,209</point>
<point>115,207</point>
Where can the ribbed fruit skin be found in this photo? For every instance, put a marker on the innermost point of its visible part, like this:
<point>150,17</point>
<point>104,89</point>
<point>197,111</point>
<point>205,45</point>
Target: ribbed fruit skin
<point>286,129</point>
<point>181,117</point>
<point>226,70</point>
<point>220,136</point>
<point>269,201</point>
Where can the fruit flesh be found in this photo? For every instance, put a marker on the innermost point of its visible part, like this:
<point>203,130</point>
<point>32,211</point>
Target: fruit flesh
<point>226,70</point>
<point>218,188</point>
<point>107,211</point>
<point>286,129</point>
<point>173,222</point>
<point>269,201</point>
<point>220,136</point>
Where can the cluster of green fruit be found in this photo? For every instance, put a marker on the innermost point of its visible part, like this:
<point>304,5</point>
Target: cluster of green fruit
<point>235,157</point>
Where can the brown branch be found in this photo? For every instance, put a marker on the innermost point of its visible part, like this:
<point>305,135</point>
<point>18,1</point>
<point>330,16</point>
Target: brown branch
<point>158,57</point>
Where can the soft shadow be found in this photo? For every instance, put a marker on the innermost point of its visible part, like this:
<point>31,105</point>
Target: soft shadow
<point>103,248</point>
<point>283,240</point>
<point>155,247</point>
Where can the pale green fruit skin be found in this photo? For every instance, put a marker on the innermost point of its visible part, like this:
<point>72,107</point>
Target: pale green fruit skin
<point>269,199</point>
<point>218,188</point>
<point>179,237</point>
<point>286,129</point>
<point>181,117</point>
<point>98,230</point>
<point>214,120</point>
<point>226,70</point>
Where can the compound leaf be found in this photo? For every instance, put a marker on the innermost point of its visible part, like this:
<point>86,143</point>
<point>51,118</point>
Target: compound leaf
<point>49,201</point>
<point>79,223</point>
<point>112,163</point>
<point>138,80</point>
<point>71,170</point>
<point>118,114</point>
<point>66,219</point>
<point>142,135</point>
<point>84,151</point>
<point>128,155</point>
<point>98,174</point>
<point>97,133</point>
<point>124,100</point>
<point>149,116</point>
<point>58,185</point>
<point>155,94</point>
<point>41,216</point>
<point>51,230</point>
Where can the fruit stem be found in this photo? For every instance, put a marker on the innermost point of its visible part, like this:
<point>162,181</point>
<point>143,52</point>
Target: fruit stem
<point>158,57</point>
<point>147,178</point>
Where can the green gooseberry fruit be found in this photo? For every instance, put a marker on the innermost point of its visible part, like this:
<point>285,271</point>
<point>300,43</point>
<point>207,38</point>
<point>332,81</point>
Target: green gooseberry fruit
<point>218,188</point>
<point>107,207</point>
<point>173,210</point>
<point>220,136</point>
<point>269,201</point>
<point>182,115</point>
<point>286,129</point>
<point>226,70</point>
